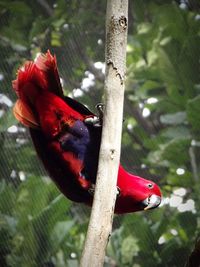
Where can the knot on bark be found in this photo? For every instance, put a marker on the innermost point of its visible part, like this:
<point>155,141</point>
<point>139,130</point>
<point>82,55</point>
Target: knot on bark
<point>123,22</point>
<point>112,153</point>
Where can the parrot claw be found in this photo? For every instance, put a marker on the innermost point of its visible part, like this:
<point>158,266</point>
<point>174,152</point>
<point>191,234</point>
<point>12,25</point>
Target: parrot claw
<point>100,110</point>
<point>118,193</point>
<point>91,190</point>
<point>96,121</point>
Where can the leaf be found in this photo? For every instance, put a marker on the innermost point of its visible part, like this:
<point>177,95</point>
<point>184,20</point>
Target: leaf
<point>129,249</point>
<point>55,39</point>
<point>180,180</point>
<point>193,113</point>
<point>176,132</point>
<point>173,119</point>
<point>8,222</point>
<point>114,244</point>
<point>170,73</point>
<point>38,28</point>
<point>140,229</point>
<point>159,227</point>
<point>171,250</point>
<point>7,120</point>
<point>18,7</point>
<point>7,198</point>
<point>59,233</point>
<point>169,246</point>
<point>149,85</point>
<point>72,263</point>
<point>188,221</point>
<point>143,28</point>
<point>176,151</point>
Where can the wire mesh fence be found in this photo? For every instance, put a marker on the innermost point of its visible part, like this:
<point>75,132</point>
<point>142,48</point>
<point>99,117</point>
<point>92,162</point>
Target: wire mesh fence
<point>38,225</point>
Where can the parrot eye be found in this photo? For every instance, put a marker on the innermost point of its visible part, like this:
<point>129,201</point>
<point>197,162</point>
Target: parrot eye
<point>150,185</point>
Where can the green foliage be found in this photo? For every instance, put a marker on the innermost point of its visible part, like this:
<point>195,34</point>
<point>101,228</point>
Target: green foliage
<point>193,110</point>
<point>38,226</point>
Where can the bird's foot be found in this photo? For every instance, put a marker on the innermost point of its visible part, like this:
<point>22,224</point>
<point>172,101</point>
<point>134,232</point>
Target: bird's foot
<point>96,121</point>
<point>100,110</point>
<point>86,185</point>
<point>91,190</point>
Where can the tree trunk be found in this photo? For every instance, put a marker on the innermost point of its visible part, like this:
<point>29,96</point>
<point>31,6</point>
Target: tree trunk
<point>100,224</point>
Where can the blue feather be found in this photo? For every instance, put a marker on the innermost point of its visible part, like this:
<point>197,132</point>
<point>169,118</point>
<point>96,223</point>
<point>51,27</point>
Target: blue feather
<point>76,139</point>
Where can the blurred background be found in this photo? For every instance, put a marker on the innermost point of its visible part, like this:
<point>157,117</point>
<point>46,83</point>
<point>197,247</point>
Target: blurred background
<point>39,227</point>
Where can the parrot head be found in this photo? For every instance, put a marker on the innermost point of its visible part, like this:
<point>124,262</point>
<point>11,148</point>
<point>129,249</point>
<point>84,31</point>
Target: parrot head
<point>136,193</point>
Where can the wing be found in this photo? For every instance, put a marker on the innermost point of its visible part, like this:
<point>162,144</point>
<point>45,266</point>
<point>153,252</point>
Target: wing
<point>71,158</point>
<point>65,178</point>
<point>78,106</point>
<point>91,153</point>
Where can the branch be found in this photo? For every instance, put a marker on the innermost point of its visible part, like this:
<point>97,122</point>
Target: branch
<point>193,163</point>
<point>101,219</point>
<point>194,258</point>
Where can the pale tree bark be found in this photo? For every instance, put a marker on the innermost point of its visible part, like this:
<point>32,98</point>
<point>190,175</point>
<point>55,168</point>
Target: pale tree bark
<point>100,225</point>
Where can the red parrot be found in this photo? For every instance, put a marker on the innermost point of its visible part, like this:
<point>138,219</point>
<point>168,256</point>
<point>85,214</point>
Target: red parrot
<point>67,137</point>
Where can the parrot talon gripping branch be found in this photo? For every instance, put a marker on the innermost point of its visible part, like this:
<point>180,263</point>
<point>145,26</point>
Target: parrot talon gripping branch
<point>96,121</point>
<point>67,139</point>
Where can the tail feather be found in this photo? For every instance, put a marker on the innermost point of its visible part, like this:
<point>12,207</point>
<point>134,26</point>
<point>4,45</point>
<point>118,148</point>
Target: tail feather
<point>42,74</point>
<point>48,65</point>
<point>33,78</point>
<point>23,114</point>
<point>24,75</point>
<point>29,82</point>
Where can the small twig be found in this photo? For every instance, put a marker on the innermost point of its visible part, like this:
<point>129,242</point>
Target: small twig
<point>194,258</point>
<point>193,163</point>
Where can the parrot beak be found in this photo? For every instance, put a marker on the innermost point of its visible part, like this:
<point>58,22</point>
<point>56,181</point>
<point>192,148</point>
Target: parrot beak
<point>152,202</point>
